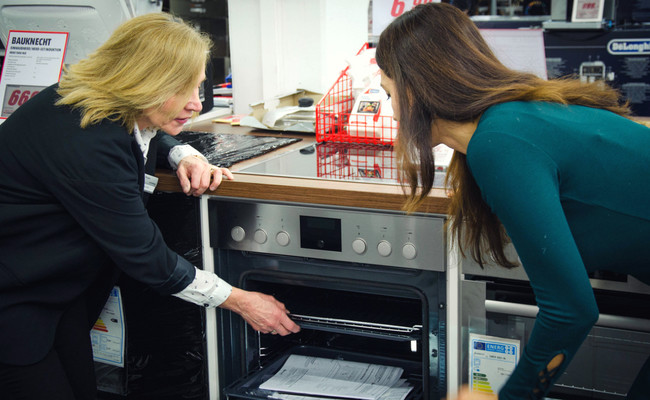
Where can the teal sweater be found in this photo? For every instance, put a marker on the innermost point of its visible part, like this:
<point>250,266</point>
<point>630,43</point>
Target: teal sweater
<point>571,185</point>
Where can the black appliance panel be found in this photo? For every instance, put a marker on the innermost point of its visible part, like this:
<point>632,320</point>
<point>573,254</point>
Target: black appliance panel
<point>621,58</point>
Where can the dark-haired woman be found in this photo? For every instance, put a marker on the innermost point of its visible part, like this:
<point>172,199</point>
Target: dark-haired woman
<point>555,166</point>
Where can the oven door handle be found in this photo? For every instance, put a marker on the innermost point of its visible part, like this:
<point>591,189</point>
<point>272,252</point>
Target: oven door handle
<point>604,320</point>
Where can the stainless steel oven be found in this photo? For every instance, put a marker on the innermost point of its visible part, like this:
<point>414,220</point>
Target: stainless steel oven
<point>499,304</point>
<point>364,285</point>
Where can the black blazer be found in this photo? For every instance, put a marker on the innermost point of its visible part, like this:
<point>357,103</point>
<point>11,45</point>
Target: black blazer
<point>71,210</point>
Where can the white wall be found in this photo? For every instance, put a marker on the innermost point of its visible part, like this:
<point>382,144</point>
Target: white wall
<point>278,46</point>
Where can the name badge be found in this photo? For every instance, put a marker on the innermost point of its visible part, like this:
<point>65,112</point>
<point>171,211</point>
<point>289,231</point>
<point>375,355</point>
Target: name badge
<point>150,183</point>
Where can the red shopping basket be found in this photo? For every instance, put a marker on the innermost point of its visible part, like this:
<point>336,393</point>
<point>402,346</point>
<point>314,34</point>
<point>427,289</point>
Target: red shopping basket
<point>333,123</point>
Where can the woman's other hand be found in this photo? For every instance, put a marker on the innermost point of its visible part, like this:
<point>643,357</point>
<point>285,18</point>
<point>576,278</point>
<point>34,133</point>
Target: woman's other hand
<point>196,176</point>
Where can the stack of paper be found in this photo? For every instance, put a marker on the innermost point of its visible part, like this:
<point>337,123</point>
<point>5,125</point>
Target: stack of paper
<point>315,376</point>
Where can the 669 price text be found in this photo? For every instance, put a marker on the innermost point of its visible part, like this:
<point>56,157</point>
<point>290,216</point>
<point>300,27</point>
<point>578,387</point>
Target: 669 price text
<point>399,6</point>
<point>16,95</point>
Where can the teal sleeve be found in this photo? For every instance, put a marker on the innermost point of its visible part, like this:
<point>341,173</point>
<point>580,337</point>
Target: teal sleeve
<point>521,185</point>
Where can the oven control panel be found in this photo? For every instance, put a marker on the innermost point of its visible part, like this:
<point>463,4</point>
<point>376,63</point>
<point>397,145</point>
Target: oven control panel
<point>332,233</point>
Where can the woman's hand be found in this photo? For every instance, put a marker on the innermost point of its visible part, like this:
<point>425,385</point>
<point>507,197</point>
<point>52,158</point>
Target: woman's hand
<point>196,176</point>
<point>263,312</point>
<point>466,394</point>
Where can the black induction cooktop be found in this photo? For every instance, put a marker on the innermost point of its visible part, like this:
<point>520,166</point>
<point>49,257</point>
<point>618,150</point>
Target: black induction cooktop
<point>336,161</point>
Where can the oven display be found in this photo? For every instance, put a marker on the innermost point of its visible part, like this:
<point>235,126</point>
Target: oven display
<point>320,233</point>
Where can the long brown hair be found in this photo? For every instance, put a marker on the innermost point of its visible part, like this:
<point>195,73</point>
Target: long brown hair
<point>443,68</point>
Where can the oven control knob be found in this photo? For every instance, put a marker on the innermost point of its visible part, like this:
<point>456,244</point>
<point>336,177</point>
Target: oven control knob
<point>283,238</point>
<point>237,233</point>
<point>359,246</point>
<point>384,248</point>
<point>260,236</point>
<point>409,251</point>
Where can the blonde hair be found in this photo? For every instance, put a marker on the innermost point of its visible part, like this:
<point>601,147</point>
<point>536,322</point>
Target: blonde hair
<point>147,60</point>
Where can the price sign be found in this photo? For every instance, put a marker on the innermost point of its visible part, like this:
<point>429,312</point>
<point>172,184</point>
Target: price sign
<point>384,11</point>
<point>17,95</point>
<point>33,61</point>
<point>587,10</point>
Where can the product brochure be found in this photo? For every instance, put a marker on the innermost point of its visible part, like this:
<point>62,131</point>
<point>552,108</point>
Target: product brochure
<point>337,378</point>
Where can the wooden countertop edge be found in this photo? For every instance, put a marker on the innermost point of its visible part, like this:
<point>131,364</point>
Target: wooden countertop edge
<point>301,190</point>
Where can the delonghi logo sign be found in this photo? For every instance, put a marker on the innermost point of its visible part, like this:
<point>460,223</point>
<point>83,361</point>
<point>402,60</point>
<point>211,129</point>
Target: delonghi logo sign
<point>628,46</point>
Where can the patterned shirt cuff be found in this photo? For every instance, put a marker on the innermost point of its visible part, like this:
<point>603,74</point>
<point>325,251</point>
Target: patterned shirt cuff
<point>177,153</point>
<point>207,290</point>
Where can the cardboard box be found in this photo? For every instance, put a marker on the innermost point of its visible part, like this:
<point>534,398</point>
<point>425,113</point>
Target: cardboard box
<point>282,113</point>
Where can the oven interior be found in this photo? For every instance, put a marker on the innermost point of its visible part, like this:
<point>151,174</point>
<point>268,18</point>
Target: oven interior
<point>344,315</point>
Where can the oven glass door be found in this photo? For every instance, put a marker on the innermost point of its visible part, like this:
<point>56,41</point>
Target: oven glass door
<point>603,368</point>
<point>353,312</point>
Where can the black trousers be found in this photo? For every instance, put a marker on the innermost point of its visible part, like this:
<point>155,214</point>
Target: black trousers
<point>66,373</point>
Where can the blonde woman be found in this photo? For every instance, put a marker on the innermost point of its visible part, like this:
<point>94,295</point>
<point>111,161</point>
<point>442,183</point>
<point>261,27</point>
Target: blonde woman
<point>72,162</point>
<point>554,166</point>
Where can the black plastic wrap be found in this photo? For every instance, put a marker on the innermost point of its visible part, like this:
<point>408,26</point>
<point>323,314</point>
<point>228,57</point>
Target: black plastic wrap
<point>165,336</point>
<point>224,150</point>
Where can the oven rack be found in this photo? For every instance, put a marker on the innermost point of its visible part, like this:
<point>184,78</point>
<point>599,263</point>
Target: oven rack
<point>361,328</point>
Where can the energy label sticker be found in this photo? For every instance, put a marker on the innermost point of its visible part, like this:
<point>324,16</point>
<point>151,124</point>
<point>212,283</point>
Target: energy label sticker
<point>491,362</point>
<point>108,334</point>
